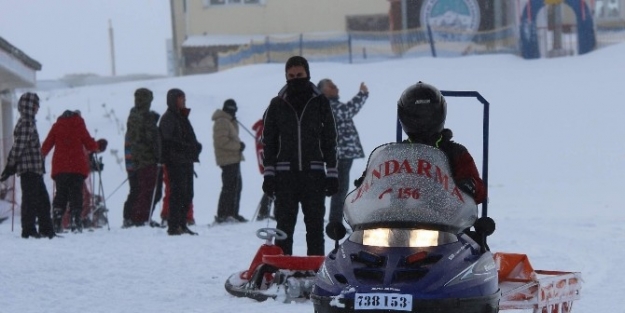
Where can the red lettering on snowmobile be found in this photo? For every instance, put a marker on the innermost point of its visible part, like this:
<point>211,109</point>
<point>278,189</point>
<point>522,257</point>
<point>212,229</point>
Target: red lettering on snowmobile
<point>394,167</point>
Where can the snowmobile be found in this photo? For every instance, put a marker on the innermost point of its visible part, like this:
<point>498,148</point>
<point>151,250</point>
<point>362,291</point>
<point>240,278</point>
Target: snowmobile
<point>273,274</point>
<point>412,250</point>
<point>408,251</point>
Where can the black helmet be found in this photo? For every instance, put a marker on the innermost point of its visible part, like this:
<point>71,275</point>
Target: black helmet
<point>422,110</point>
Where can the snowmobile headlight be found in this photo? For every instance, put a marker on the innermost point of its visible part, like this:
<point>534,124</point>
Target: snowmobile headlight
<point>423,238</point>
<point>387,237</point>
<point>376,237</point>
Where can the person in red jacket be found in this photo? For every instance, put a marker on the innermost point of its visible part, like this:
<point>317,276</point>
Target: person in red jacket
<point>70,166</point>
<point>265,201</point>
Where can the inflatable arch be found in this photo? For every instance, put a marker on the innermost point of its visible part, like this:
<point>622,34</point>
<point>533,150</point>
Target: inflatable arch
<point>586,40</point>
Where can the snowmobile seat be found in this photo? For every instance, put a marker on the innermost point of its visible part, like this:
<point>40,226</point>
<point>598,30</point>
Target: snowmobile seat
<point>296,263</point>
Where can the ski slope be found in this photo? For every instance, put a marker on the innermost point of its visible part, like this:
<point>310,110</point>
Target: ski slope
<point>557,159</point>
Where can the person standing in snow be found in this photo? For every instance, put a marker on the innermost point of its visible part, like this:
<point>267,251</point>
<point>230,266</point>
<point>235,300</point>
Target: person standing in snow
<point>180,149</point>
<point>299,139</point>
<point>348,142</point>
<point>228,149</point>
<point>25,160</point>
<point>142,160</point>
<point>70,165</point>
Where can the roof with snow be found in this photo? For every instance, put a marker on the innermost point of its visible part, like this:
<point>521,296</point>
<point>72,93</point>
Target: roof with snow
<point>220,40</point>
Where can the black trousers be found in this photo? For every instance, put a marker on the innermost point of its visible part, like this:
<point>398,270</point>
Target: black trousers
<point>231,186</point>
<point>181,186</point>
<point>35,204</point>
<point>133,183</point>
<point>336,203</point>
<point>265,206</point>
<point>69,188</point>
<point>308,189</point>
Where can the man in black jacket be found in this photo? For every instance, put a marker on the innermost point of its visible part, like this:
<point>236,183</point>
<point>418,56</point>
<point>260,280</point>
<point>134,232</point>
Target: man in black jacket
<point>299,138</point>
<point>180,149</point>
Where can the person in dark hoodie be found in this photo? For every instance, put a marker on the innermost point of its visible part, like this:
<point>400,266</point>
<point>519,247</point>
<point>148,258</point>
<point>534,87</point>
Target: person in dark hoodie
<point>142,160</point>
<point>26,161</point>
<point>70,166</point>
<point>180,149</point>
<point>228,149</point>
<point>300,164</point>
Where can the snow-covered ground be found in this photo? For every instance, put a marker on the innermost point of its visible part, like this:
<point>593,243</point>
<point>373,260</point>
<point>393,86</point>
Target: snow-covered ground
<point>556,163</point>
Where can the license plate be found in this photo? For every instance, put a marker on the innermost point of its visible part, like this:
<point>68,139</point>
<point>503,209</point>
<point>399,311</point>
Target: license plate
<point>383,301</point>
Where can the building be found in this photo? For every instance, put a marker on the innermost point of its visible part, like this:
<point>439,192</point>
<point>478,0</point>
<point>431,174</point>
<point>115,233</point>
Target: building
<point>212,35</point>
<point>17,70</point>
<point>224,25</point>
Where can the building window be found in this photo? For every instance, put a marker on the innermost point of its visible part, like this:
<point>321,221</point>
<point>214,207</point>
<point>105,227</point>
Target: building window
<point>209,3</point>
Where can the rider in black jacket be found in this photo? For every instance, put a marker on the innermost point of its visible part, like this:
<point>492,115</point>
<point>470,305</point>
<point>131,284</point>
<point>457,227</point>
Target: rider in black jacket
<point>300,162</point>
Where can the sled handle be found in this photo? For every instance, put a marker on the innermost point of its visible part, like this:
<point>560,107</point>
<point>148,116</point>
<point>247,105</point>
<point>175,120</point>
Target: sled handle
<point>268,234</point>
<point>485,122</point>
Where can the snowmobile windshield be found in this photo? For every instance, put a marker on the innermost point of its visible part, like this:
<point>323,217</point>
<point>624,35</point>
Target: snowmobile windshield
<point>409,186</point>
<point>395,237</point>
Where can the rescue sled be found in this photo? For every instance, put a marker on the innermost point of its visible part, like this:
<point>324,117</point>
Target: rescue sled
<point>402,260</point>
<point>273,274</point>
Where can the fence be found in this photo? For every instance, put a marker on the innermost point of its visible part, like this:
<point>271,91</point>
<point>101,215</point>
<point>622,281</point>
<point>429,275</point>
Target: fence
<point>354,47</point>
<point>358,47</point>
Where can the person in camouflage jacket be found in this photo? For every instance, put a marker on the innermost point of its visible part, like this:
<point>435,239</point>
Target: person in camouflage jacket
<point>25,160</point>
<point>348,146</point>
<point>143,146</point>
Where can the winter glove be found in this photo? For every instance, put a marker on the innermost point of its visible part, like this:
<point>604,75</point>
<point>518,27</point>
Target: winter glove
<point>8,172</point>
<point>269,185</point>
<point>242,146</point>
<point>467,185</point>
<point>102,144</point>
<point>332,186</point>
<point>199,148</point>
<point>359,181</point>
<point>336,230</point>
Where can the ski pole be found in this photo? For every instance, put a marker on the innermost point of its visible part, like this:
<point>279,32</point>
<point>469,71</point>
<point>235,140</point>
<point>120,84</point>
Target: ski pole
<point>120,185</point>
<point>247,130</point>
<point>158,171</point>
<point>13,206</point>
<point>101,189</point>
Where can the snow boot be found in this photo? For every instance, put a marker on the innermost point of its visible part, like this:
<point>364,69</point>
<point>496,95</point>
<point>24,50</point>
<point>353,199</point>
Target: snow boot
<point>57,220</point>
<point>76,224</point>
<point>240,218</point>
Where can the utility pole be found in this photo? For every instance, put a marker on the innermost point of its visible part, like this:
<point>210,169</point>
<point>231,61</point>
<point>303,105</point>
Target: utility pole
<point>404,15</point>
<point>112,45</point>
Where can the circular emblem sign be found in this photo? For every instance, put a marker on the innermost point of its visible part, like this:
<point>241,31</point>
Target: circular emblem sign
<point>451,15</point>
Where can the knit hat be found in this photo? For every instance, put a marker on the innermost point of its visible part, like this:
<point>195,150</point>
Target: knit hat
<point>297,61</point>
<point>143,95</point>
<point>172,96</point>
<point>230,106</point>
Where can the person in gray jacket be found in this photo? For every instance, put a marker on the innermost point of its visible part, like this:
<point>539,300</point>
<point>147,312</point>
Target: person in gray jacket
<point>348,146</point>
<point>228,154</point>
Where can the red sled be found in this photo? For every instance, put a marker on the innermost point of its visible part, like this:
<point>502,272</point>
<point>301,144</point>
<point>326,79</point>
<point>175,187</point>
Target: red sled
<point>272,273</point>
